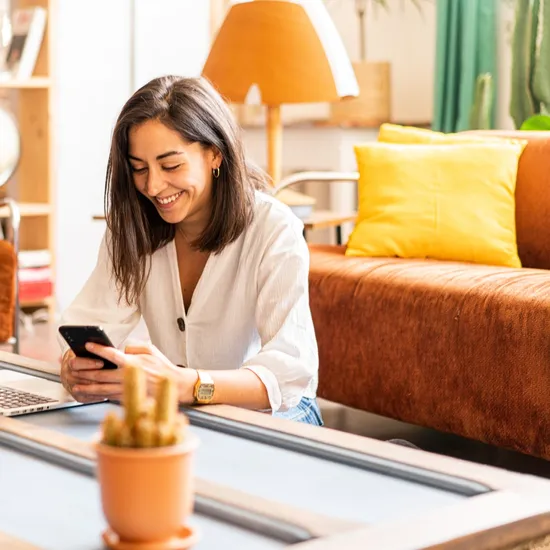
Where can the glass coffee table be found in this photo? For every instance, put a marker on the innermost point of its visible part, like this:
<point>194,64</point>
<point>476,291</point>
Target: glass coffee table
<point>264,482</point>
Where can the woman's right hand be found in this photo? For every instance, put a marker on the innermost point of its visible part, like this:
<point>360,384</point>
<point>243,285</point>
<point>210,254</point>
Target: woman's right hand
<point>71,367</point>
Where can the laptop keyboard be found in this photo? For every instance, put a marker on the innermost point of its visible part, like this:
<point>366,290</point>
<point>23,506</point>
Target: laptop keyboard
<point>11,398</point>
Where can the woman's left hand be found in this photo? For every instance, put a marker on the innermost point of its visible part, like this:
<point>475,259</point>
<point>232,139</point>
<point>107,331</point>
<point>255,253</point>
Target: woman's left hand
<point>108,383</point>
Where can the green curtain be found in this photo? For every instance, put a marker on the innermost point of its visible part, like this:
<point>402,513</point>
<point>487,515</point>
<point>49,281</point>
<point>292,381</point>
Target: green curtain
<point>465,57</point>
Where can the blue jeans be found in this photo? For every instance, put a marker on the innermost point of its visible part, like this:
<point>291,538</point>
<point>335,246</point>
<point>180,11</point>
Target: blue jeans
<point>307,410</point>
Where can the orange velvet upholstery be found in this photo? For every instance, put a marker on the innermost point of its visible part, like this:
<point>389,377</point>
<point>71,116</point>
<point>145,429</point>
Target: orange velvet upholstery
<point>7,289</point>
<point>457,347</point>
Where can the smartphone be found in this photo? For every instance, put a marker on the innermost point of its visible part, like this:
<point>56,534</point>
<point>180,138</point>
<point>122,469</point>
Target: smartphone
<point>78,335</point>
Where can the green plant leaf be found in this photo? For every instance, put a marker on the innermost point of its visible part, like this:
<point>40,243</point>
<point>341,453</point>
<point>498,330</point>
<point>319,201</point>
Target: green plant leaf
<point>537,122</point>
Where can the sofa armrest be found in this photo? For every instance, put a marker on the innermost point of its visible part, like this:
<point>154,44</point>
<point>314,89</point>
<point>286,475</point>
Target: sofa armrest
<point>457,347</point>
<point>10,275</point>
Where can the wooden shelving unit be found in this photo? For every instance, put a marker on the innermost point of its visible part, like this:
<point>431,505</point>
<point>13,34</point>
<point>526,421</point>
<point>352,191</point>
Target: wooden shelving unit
<point>34,304</point>
<point>31,101</point>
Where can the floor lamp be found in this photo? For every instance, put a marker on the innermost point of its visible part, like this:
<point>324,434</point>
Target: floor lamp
<point>290,50</point>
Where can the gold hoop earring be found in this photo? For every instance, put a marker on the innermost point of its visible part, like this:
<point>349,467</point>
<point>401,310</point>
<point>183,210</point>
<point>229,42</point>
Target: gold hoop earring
<point>216,172</point>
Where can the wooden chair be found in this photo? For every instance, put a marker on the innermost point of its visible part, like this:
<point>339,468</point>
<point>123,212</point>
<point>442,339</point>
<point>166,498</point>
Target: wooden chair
<point>9,279</point>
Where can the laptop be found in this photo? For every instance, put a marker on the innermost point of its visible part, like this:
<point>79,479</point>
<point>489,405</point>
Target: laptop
<point>23,394</point>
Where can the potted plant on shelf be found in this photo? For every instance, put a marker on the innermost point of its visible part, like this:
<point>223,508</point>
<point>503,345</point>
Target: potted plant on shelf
<point>373,105</point>
<point>144,468</point>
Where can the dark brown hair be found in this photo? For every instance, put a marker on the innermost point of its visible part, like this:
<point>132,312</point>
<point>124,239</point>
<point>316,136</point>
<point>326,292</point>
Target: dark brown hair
<point>192,107</point>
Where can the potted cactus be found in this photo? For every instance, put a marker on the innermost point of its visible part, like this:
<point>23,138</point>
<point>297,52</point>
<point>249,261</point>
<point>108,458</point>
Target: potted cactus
<point>530,75</point>
<point>144,467</point>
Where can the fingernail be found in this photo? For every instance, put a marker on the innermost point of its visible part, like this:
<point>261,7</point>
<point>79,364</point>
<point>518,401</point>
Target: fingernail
<point>89,346</point>
<point>99,364</point>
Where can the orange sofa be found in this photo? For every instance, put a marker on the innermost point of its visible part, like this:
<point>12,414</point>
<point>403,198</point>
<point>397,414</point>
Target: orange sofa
<point>457,347</point>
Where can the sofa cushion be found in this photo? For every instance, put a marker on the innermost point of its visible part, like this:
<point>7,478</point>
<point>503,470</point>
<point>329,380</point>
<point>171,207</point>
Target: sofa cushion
<point>532,185</point>
<point>396,133</point>
<point>532,197</point>
<point>456,347</point>
<point>448,202</point>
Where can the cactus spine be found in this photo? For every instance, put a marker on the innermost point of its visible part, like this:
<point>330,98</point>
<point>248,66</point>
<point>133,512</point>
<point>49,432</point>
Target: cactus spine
<point>147,422</point>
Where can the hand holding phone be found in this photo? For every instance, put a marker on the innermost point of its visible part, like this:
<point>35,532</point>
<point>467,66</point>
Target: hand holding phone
<point>78,335</point>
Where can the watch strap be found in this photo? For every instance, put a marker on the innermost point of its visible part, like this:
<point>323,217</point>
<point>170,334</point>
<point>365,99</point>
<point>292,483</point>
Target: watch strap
<point>203,391</point>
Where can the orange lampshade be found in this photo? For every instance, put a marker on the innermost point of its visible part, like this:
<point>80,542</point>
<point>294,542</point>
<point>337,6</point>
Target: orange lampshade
<point>289,48</point>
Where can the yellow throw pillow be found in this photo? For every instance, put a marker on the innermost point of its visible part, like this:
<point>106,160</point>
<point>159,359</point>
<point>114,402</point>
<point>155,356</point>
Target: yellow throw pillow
<point>446,201</point>
<point>396,133</point>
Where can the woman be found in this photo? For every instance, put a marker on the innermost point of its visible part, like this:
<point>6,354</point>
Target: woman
<point>216,267</point>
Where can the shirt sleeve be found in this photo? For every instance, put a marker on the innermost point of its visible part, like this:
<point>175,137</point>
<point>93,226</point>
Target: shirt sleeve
<point>288,360</point>
<point>97,303</point>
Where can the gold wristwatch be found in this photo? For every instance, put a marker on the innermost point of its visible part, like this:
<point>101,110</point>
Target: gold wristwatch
<point>204,389</point>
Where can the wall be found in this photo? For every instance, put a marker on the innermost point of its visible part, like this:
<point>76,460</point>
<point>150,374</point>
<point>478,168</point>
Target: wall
<point>177,43</point>
<point>94,77</point>
<point>403,36</point>
<point>91,76</point>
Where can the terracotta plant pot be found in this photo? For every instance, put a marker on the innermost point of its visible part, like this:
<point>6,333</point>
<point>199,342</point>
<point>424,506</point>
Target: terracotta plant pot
<point>147,494</point>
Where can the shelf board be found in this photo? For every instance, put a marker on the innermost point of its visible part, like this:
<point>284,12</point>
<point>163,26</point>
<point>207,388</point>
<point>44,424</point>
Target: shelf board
<point>36,82</point>
<point>320,219</point>
<point>28,209</point>
<point>44,302</point>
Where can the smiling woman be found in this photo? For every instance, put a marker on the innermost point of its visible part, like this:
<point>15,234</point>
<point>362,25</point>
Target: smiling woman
<point>217,268</point>
<point>170,142</point>
<point>149,177</point>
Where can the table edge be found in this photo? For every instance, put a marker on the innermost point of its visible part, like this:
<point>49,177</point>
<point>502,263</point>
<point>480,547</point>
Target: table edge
<point>430,532</point>
<point>491,476</point>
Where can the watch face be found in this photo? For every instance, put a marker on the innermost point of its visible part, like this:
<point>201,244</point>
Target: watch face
<point>206,392</point>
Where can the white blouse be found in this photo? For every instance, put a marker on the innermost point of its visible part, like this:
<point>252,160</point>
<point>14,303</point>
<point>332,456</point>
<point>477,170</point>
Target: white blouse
<point>250,308</point>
